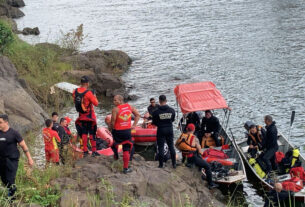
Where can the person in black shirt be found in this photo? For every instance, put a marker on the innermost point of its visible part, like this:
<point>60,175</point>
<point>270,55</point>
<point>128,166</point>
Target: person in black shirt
<point>9,154</point>
<point>55,119</point>
<point>63,145</point>
<point>210,124</point>
<point>163,118</point>
<point>270,144</point>
<point>152,107</point>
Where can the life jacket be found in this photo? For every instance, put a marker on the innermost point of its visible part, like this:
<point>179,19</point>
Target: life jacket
<point>123,118</point>
<point>208,142</point>
<point>259,135</point>
<point>214,153</point>
<point>279,156</point>
<point>79,102</point>
<point>257,167</point>
<point>298,172</point>
<point>294,184</point>
<point>185,143</point>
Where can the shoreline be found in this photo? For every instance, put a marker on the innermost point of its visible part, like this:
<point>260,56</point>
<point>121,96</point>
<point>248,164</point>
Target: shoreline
<point>104,69</point>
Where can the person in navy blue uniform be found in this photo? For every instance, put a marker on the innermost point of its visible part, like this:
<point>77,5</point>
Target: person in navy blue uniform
<point>163,118</point>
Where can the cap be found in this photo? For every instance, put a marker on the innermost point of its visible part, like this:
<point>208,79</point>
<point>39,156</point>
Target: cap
<point>68,119</point>
<point>190,127</point>
<point>84,79</point>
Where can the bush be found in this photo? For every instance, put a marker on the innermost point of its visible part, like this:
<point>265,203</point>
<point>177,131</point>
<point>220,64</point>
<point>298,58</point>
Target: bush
<point>6,36</point>
<point>73,39</point>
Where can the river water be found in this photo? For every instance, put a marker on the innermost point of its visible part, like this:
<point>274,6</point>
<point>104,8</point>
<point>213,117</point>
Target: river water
<point>252,50</point>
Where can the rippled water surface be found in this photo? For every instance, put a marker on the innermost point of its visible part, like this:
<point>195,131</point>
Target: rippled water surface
<point>252,50</point>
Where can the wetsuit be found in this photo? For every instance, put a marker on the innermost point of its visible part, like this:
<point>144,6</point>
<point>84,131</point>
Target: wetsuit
<point>86,122</point>
<point>212,126</point>
<point>122,133</point>
<point>191,118</point>
<point>63,145</point>
<point>271,146</point>
<point>163,118</point>
<point>51,138</point>
<point>151,110</point>
<point>9,156</point>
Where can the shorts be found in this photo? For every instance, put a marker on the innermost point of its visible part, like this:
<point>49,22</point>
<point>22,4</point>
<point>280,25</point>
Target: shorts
<point>52,155</point>
<point>120,136</point>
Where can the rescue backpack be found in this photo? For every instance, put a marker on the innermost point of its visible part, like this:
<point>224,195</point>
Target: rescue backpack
<point>79,101</point>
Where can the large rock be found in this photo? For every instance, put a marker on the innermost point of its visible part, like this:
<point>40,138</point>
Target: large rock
<point>16,3</point>
<point>101,178</point>
<point>103,68</point>
<point>10,11</point>
<point>24,113</point>
<point>30,31</point>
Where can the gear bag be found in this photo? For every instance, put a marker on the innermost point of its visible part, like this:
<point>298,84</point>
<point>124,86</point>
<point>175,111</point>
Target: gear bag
<point>214,153</point>
<point>79,101</point>
<point>294,184</point>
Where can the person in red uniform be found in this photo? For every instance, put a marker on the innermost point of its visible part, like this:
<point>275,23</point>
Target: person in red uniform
<point>84,100</point>
<point>50,138</point>
<point>121,129</point>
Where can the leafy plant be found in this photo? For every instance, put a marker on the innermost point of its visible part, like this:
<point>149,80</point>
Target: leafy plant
<point>6,36</point>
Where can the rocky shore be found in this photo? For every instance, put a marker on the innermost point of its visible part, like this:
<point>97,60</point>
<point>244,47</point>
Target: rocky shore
<point>101,178</point>
<point>94,181</point>
<point>16,98</point>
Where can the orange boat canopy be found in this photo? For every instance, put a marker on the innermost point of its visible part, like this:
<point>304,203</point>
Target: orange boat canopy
<point>200,96</point>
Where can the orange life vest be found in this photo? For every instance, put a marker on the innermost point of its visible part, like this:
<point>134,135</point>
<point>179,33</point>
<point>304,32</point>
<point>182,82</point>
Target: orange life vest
<point>123,118</point>
<point>259,135</point>
<point>208,142</point>
<point>185,143</point>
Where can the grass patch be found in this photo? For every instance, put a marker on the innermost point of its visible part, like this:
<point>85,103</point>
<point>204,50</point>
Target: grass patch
<point>40,66</point>
<point>33,186</point>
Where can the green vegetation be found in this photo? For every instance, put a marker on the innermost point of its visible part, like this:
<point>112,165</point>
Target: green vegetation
<point>33,186</point>
<point>6,36</point>
<point>39,65</point>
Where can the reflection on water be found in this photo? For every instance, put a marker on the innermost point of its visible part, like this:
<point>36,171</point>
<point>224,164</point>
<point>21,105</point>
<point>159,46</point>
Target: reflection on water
<point>252,50</point>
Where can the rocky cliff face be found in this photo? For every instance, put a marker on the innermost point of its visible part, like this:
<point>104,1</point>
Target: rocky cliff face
<point>103,68</point>
<point>101,178</point>
<point>24,113</point>
<point>10,8</point>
